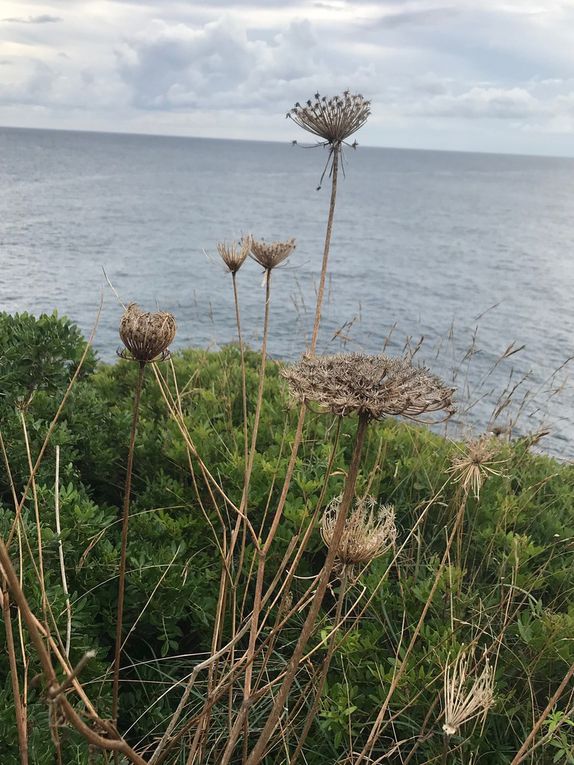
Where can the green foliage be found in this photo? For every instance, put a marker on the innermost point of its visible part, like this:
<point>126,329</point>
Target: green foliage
<point>508,584</point>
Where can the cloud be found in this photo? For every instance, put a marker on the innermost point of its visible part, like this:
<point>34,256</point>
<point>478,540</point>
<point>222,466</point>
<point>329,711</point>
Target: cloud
<point>221,66</point>
<point>484,103</point>
<point>43,19</point>
<point>423,17</point>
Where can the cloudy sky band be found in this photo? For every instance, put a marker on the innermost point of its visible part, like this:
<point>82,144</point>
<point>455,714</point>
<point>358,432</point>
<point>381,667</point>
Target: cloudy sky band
<point>496,76</point>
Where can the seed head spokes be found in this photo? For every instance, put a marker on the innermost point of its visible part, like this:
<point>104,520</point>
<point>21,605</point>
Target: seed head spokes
<point>467,693</point>
<point>271,254</point>
<point>332,119</point>
<point>368,533</point>
<point>234,255</point>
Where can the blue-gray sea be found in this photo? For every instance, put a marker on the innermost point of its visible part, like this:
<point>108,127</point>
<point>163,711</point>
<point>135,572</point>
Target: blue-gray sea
<point>471,252</point>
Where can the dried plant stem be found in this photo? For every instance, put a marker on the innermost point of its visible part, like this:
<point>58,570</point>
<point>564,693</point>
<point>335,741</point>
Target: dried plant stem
<point>364,754</point>
<point>19,708</point>
<point>335,149</point>
<point>124,543</point>
<point>245,499</point>
<point>307,629</point>
<point>41,578</point>
<point>311,714</point>
<point>115,744</point>
<point>243,371</point>
<point>61,554</point>
<point>523,751</point>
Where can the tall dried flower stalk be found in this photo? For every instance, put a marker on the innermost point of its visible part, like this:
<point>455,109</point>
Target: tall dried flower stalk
<point>256,754</point>
<point>146,337</point>
<point>269,255</point>
<point>368,532</point>
<point>466,695</point>
<point>333,120</point>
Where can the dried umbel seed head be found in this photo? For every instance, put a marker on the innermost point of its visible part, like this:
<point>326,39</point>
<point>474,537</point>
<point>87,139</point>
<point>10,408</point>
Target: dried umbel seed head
<point>368,533</point>
<point>146,336</point>
<point>233,255</point>
<point>332,119</point>
<point>466,695</point>
<point>373,386</point>
<point>476,463</point>
<point>270,254</point>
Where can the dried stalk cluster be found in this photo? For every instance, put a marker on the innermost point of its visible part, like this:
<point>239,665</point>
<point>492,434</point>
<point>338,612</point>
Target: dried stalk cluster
<point>463,703</point>
<point>475,464</point>
<point>270,254</point>
<point>146,336</point>
<point>332,119</point>
<point>375,386</point>
<point>368,533</point>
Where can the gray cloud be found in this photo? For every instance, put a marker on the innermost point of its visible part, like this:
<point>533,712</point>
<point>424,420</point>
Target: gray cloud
<point>424,17</point>
<point>42,19</point>
<point>220,66</point>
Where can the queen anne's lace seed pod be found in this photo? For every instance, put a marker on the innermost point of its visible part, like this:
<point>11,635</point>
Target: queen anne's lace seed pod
<point>466,694</point>
<point>234,255</point>
<point>368,533</point>
<point>372,386</point>
<point>146,336</point>
<point>332,119</point>
<point>270,254</point>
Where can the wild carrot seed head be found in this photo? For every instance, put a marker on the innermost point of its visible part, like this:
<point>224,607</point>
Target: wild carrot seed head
<point>146,336</point>
<point>375,386</point>
<point>270,254</point>
<point>234,255</point>
<point>332,119</point>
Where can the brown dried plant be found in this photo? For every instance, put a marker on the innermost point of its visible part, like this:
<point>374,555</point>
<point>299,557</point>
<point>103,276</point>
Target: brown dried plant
<point>332,119</point>
<point>463,700</point>
<point>476,462</point>
<point>368,533</point>
<point>234,255</point>
<point>271,254</point>
<point>376,386</point>
<point>146,336</point>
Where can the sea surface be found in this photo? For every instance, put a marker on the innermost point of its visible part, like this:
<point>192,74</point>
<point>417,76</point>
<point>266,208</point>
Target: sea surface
<point>465,259</point>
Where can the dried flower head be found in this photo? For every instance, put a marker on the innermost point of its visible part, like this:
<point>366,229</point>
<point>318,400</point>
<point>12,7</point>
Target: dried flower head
<point>464,701</point>
<point>270,254</point>
<point>476,463</point>
<point>146,336</point>
<point>332,119</point>
<point>233,255</point>
<point>368,533</point>
<point>376,386</point>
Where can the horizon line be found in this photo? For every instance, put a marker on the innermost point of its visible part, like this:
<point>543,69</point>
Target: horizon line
<point>282,142</point>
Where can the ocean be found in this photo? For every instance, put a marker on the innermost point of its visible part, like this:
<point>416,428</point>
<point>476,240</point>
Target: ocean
<point>465,259</point>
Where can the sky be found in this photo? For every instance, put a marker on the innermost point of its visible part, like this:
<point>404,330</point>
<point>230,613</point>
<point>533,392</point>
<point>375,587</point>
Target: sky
<point>470,75</point>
